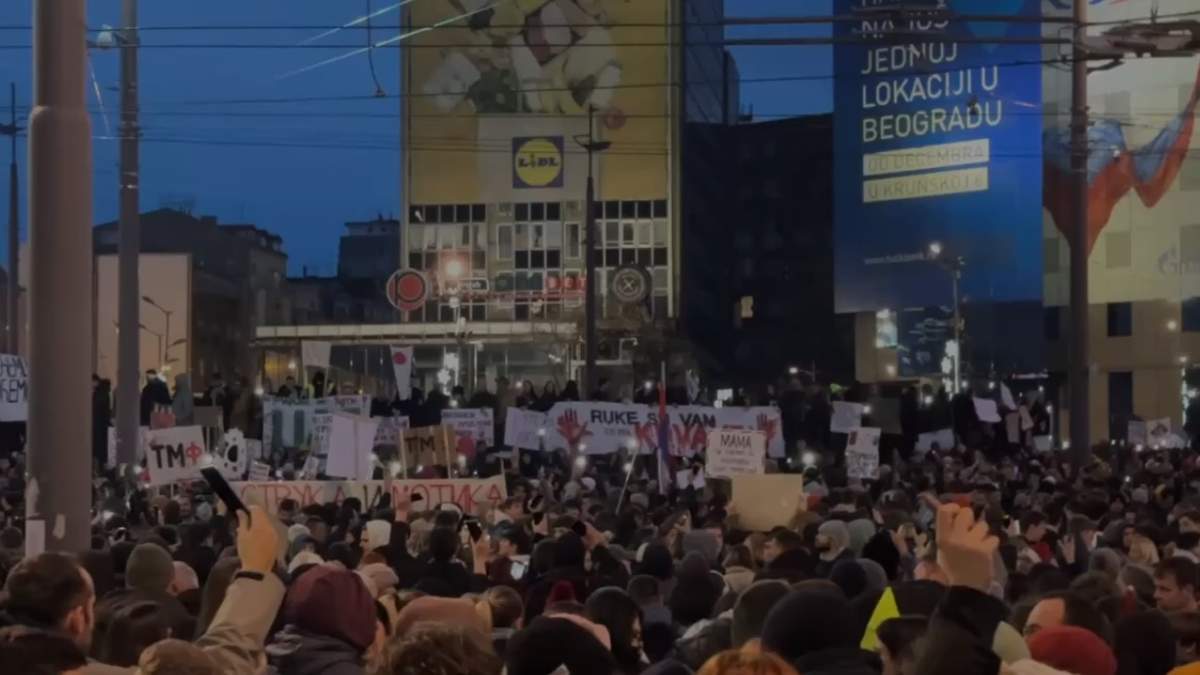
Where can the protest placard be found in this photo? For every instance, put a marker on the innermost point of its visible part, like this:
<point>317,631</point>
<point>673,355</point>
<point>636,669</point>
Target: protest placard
<point>524,429</point>
<point>474,429</point>
<point>942,438</point>
<point>291,423</point>
<point>464,492</point>
<point>691,426</point>
<point>846,417</point>
<point>986,410</point>
<point>1136,432</point>
<point>1158,433</point>
<point>389,431</point>
<point>733,452</point>
<point>1006,397</point>
<point>427,446</point>
<point>765,501</point>
<point>259,471</point>
<point>604,428</point>
<point>231,457</point>
<point>14,388</point>
<point>174,454</point>
<point>862,453</point>
<point>350,441</point>
<point>315,354</point>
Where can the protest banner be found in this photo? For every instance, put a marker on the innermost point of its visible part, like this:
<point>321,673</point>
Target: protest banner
<point>942,438</point>
<point>290,423</point>
<point>14,388</point>
<point>389,432</point>
<point>402,360</point>
<point>259,471</point>
<point>604,428</point>
<point>315,354</point>
<point>986,410</point>
<point>1136,432</point>
<point>524,429</point>
<point>1158,433</point>
<point>733,452</point>
<point>464,492</point>
<point>862,453</point>
<point>350,441</point>
<point>474,429</point>
<point>765,501</point>
<point>230,456</point>
<point>174,454</point>
<point>846,417</point>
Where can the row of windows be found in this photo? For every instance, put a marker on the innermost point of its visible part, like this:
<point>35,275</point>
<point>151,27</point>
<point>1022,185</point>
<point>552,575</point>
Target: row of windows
<point>1119,319</point>
<point>524,211</point>
<point>447,213</point>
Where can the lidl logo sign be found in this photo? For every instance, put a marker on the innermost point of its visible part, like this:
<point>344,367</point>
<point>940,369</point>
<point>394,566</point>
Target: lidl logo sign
<point>538,162</point>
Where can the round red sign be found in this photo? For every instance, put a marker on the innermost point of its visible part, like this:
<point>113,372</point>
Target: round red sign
<point>408,290</point>
<point>399,358</point>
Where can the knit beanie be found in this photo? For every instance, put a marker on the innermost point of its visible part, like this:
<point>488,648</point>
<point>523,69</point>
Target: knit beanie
<point>547,644</point>
<point>751,609</point>
<point>149,568</point>
<point>332,602</point>
<point>1073,649</point>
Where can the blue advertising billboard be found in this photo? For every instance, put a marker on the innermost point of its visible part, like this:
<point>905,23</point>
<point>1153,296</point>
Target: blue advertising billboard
<point>936,141</point>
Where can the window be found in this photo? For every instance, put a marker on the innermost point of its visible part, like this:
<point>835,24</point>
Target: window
<point>573,241</point>
<point>1190,308</point>
<point>478,213</point>
<point>628,234</point>
<point>520,237</point>
<point>1050,320</point>
<point>1120,319</point>
<point>504,238</point>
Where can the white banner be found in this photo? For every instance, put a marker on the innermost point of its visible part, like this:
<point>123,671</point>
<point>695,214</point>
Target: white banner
<point>474,428</point>
<point>314,354</point>
<point>289,423</point>
<point>524,429</point>
<point>862,453</point>
<point>733,452</point>
<point>349,451</point>
<point>603,428</point>
<point>846,417</point>
<point>464,492</point>
<point>986,410</point>
<point>174,454</point>
<point>402,358</point>
<point>14,388</point>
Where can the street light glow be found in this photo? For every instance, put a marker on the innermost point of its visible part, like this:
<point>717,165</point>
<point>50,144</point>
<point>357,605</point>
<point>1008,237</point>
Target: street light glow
<point>455,268</point>
<point>935,248</point>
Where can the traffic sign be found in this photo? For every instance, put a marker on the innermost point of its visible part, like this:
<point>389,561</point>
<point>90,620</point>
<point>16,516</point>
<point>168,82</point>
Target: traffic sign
<point>407,290</point>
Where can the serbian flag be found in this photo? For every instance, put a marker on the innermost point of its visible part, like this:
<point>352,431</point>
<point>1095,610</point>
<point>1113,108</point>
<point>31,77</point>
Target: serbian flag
<point>664,437</point>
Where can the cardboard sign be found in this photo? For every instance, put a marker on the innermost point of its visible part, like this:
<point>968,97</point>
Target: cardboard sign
<point>474,429</point>
<point>402,363</point>
<point>764,501</point>
<point>733,452</point>
<point>846,417</point>
<point>986,410</point>
<point>524,429</point>
<point>427,446</point>
<point>14,388</point>
<point>465,492</point>
<point>942,438</point>
<point>862,453</point>
<point>351,439</point>
<point>174,454</point>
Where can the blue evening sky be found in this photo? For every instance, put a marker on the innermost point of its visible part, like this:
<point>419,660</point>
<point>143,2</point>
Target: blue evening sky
<point>302,168</point>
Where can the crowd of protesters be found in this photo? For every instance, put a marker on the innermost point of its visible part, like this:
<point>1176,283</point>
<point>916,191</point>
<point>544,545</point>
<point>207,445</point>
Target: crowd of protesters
<point>983,559</point>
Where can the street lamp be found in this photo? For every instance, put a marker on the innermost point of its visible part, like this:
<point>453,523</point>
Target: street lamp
<point>166,323</point>
<point>953,264</point>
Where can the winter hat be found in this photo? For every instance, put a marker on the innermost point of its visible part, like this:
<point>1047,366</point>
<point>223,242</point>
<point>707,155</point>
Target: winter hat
<point>297,530</point>
<point>703,542</point>
<point>860,532</point>
<point>877,579</point>
<point>696,591</point>
<point>332,602</point>
<point>807,620</point>
<point>751,609</point>
<point>149,568</point>
<point>379,578</point>
<point>376,534</point>
<point>1105,560</point>
<point>837,532</point>
<point>1073,649</point>
<point>453,611</point>
<point>850,577</point>
<point>302,559</point>
<point>547,644</point>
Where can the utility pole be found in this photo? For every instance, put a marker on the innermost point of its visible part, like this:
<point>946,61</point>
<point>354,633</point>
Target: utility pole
<point>58,489</point>
<point>14,218</point>
<point>590,303</point>
<point>1078,367</point>
<point>129,244</point>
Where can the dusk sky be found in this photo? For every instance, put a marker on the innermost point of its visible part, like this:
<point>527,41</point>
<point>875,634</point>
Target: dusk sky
<point>294,167</point>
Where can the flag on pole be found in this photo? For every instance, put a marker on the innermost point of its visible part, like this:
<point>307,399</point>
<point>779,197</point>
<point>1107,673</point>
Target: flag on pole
<point>402,358</point>
<point>664,436</point>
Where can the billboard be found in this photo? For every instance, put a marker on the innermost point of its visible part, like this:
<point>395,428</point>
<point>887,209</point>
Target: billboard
<point>1143,170</point>
<point>936,141</point>
<point>495,100</point>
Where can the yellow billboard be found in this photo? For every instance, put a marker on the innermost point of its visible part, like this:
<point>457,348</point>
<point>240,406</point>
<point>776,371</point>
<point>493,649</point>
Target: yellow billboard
<point>498,95</point>
<point>1143,172</point>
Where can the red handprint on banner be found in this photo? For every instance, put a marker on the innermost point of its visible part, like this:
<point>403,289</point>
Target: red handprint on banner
<point>689,439</point>
<point>647,435</point>
<point>571,430</point>
<point>767,426</point>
